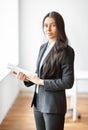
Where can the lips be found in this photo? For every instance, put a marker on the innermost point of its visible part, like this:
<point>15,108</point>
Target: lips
<point>49,33</point>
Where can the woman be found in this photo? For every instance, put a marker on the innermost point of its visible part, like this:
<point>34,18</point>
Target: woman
<point>54,74</point>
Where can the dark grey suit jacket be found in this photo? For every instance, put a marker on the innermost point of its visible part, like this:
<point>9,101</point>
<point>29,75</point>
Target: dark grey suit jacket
<point>51,96</point>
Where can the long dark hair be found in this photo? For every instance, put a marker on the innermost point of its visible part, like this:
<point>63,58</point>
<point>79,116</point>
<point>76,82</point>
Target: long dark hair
<point>53,58</point>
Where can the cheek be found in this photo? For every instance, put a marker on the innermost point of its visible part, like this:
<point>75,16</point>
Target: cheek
<point>55,31</point>
<point>44,30</point>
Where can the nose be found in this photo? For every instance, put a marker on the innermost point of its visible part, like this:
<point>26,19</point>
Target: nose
<point>49,28</point>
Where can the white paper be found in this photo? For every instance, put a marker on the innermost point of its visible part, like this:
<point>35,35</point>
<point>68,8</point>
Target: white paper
<point>17,69</point>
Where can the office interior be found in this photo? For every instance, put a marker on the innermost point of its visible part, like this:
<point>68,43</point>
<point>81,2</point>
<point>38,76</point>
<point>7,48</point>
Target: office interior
<point>21,36</point>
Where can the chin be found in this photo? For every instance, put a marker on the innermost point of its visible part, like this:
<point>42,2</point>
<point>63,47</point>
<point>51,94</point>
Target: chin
<point>50,37</point>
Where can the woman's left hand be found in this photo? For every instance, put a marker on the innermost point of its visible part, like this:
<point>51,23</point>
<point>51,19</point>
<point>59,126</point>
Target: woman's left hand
<point>35,79</point>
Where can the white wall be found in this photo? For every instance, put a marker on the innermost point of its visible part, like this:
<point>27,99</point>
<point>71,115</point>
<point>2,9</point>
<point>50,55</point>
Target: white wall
<point>9,32</point>
<point>8,35</point>
<point>76,19</point>
<point>9,89</point>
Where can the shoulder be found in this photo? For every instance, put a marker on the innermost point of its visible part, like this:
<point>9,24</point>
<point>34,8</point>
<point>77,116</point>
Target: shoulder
<point>69,50</point>
<point>68,54</point>
<point>43,45</point>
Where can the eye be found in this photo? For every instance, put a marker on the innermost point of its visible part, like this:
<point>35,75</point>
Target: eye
<point>53,25</point>
<point>46,25</point>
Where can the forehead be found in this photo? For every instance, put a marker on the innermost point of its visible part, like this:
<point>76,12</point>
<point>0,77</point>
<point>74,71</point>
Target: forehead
<point>49,20</point>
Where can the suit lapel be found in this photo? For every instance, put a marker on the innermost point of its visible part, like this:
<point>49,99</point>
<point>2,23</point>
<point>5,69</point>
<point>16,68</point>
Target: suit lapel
<point>41,54</point>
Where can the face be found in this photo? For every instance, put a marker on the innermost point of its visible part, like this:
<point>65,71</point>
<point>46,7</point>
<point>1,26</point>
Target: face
<point>50,29</point>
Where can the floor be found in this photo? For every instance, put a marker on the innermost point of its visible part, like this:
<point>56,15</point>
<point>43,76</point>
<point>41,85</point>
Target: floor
<point>20,116</point>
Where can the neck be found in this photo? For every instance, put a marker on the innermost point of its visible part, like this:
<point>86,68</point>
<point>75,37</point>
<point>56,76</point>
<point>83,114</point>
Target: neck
<point>52,40</point>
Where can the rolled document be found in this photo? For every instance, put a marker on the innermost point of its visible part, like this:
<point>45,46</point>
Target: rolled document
<point>17,69</point>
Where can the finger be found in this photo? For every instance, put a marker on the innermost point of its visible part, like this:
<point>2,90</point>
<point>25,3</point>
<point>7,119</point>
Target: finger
<point>14,72</point>
<point>24,77</point>
<point>20,75</point>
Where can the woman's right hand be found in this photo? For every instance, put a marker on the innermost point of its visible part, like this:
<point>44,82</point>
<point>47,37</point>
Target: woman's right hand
<point>21,76</point>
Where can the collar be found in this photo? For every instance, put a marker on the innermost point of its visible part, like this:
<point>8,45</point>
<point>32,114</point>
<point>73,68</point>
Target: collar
<point>51,44</point>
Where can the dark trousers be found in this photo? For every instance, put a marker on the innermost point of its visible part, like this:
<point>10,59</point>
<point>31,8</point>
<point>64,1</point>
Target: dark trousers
<point>46,121</point>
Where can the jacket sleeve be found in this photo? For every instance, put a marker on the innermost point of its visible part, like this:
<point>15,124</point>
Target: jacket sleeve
<point>28,84</point>
<point>67,80</point>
